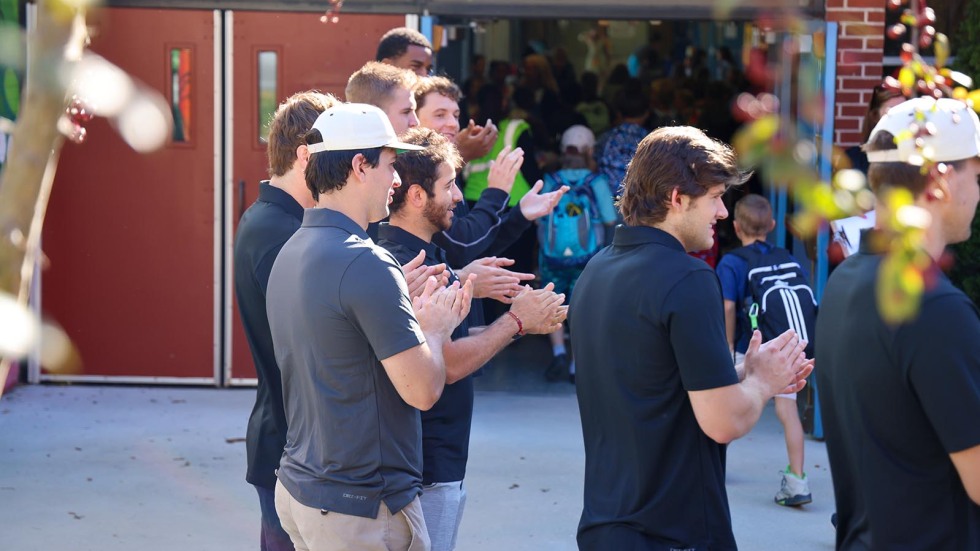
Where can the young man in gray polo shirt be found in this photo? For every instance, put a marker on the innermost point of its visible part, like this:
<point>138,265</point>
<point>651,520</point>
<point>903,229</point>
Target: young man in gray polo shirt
<point>359,358</point>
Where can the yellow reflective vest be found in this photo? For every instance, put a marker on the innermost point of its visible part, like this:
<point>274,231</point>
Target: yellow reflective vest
<point>477,171</point>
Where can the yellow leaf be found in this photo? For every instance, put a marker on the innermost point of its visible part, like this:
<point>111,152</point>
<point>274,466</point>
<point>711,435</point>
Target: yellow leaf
<point>899,290</point>
<point>940,45</point>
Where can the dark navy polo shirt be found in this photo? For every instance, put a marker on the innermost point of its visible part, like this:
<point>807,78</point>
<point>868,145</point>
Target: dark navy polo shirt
<point>263,230</point>
<point>338,304</point>
<point>445,427</point>
<point>648,326</point>
<point>895,402</point>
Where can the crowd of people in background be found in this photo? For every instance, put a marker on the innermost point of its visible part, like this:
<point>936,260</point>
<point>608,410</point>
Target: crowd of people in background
<point>388,218</point>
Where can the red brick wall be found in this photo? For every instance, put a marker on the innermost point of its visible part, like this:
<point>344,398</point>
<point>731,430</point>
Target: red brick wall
<point>860,42</point>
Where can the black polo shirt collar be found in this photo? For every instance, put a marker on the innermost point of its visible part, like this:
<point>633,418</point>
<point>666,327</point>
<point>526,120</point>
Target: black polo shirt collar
<point>326,218</point>
<point>269,193</point>
<point>631,236</point>
<point>433,253</point>
<point>408,240</point>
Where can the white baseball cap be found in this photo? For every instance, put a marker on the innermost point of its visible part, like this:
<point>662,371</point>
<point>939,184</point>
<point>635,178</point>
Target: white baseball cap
<point>579,137</point>
<point>351,126</point>
<point>955,132</point>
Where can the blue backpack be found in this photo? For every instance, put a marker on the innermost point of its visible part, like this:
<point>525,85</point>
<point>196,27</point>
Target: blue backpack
<point>573,232</point>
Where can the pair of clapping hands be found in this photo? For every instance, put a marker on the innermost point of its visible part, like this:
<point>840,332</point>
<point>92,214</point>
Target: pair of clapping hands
<point>541,310</point>
<point>778,366</point>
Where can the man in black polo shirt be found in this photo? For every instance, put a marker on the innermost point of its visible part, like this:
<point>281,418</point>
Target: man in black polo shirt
<point>901,400</point>
<point>263,230</point>
<point>658,394</point>
<point>420,208</point>
<point>359,358</point>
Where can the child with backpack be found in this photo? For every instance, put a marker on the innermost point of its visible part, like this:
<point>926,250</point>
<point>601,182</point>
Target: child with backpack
<point>766,288</point>
<point>574,231</point>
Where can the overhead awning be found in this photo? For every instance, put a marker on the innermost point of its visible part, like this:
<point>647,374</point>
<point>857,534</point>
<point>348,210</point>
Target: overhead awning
<point>510,9</point>
<point>619,9</point>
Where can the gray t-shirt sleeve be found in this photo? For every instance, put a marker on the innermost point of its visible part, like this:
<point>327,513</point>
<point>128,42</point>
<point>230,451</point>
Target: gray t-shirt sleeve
<point>374,296</point>
<point>695,318</point>
<point>944,369</point>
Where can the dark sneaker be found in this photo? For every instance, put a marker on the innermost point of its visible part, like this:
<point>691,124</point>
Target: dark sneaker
<point>557,369</point>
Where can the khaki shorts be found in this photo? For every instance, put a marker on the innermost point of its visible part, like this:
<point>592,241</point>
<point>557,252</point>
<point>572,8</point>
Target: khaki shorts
<point>311,529</point>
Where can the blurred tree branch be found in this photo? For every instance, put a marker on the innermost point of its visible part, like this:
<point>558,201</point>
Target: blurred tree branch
<point>35,145</point>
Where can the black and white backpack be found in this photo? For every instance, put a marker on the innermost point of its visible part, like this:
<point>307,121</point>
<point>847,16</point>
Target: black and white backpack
<point>778,296</point>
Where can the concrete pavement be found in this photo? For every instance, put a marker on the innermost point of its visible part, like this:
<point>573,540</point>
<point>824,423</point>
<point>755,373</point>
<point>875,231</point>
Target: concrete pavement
<point>107,468</point>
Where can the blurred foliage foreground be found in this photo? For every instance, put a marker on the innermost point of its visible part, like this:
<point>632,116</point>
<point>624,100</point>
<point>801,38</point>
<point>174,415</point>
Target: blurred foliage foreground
<point>771,142</point>
<point>66,86</point>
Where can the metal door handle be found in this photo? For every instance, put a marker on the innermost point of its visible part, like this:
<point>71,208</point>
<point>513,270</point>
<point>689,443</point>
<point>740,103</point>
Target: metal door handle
<point>241,198</point>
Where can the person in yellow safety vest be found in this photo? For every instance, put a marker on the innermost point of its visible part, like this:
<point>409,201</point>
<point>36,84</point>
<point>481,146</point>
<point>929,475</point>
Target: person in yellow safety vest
<point>477,170</point>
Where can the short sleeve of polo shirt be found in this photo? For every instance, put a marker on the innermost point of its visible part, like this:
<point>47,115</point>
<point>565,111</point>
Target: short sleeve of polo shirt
<point>944,369</point>
<point>374,295</point>
<point>732,277</point>
<point>695,320</point>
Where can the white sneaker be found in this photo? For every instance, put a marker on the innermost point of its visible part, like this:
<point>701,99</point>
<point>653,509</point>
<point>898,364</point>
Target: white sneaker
<point>793,490</point>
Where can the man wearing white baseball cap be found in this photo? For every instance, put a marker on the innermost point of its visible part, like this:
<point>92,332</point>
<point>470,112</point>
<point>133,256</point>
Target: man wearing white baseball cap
<point>901,402</point>
<point>358,357</point>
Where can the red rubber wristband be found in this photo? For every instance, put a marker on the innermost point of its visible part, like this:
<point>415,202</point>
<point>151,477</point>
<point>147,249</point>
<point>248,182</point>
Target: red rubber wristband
<point>520,326</point>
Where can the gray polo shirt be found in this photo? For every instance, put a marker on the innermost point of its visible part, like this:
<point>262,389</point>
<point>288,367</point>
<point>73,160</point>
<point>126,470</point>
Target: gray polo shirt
<point>337,304</point>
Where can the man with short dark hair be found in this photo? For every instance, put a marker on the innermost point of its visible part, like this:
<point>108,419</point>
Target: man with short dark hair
<point>657,390</point>
<point>406,48</point>
<point>420,209</point>
<point>900,399</point>
<point>263,230</point>
<point>359,358</point>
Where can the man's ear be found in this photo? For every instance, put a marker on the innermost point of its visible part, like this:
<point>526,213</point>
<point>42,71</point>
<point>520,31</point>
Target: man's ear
<point>359,166</point>
<point>416,196</point>
<point>772,225</point>
<point>302,157</point>
<point>937,190</point>
<point>675,199</point>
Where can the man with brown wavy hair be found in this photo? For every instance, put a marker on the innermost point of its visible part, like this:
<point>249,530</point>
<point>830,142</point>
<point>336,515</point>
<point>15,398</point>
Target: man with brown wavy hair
<point>264,228</point>
<point>658,392</point>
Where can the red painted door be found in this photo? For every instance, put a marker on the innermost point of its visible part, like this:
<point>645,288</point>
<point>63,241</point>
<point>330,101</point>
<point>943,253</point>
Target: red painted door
<point>131,238</point>
<point>275,56</point>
